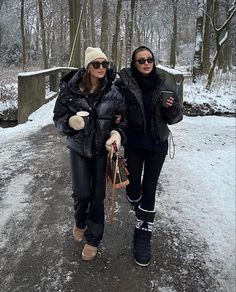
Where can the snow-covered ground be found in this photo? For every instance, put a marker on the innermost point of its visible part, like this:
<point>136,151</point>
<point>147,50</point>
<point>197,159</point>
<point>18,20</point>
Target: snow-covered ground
<point>199,194</point>
<point>198,184</point>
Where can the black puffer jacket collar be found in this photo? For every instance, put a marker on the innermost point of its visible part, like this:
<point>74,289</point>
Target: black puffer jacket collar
<point>127,77</point>
<point>74,78</point>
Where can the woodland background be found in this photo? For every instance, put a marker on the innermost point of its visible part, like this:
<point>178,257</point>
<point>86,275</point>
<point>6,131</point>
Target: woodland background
<point>197,34</point>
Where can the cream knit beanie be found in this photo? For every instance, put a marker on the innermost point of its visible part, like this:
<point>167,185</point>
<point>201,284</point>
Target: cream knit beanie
<point>91,54</point>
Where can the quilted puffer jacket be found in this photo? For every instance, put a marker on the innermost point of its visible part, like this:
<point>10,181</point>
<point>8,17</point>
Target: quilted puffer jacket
<point>161,116</point>
<point>102,107</point>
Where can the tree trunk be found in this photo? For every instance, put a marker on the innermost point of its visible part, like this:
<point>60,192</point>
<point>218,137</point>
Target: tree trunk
<point>92,23</point>
<point>37,34</point>
<point>22,26</point>
<point>212,68</point>
<point>85,30</point>
<point>104,27</point>
<point>1,2</point>
<point>227,46</point>
<point>129,31</point>
<point>43,35</point>
<point>75,31</point>
<point>217,16</point>
<point>121,54</point>
<point>127,42</point>
<point>207,39</point>
<point>197,62</point>
<point>61,47</point>
<point>174,35</point>
<point>74,17</point>
<point>138,35</point>
<point>219,42</point>
<point>116,36</point>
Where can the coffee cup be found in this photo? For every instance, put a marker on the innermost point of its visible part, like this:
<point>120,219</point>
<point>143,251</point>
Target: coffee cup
<point>165,94</point>
<point>84,115</point>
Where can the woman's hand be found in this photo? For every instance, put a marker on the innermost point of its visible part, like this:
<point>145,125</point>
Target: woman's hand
<point>117,119</point>
<point>76,122</point>
<point>169,101</point>
<point>114,138</point>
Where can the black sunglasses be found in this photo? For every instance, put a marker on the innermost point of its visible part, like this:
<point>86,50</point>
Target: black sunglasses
<point>143,61</point>
<point>97,65</point>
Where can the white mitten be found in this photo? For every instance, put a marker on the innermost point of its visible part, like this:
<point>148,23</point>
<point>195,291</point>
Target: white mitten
<point>76,122</point>
<point>115,138</point>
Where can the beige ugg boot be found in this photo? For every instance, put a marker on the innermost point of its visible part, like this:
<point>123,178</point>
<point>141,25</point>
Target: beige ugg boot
<point>89,252</point>
<point>78,233</point>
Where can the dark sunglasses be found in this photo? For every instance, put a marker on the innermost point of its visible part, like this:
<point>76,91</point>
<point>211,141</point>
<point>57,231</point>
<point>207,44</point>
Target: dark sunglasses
<point>143,61</point>
<point>97,65</point>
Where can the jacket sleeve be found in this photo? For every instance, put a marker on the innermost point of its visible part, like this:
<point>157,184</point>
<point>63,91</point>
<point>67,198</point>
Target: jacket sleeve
<point>173,114</point>
<point>62,114</point>
<point>121,110</point>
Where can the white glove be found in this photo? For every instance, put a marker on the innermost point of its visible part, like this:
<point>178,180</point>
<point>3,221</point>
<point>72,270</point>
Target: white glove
<point>115,138</point>
<point>76,122</point>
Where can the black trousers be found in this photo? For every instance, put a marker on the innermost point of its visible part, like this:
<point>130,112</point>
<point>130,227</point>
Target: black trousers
<point>88,185</point>
<point>143,189</point>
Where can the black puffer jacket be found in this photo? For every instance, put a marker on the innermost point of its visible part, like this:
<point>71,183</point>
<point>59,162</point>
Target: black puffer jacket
<point>102,107</point>
<point>161,116</point>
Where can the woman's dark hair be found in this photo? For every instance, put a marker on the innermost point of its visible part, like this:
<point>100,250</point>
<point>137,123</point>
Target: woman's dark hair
<point>86,83</point>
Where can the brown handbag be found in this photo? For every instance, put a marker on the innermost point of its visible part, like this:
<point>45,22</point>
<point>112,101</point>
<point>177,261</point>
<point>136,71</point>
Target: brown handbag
<point>117,173</point>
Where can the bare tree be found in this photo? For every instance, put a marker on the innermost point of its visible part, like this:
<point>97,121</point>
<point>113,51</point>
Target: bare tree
<point>75,30</point>
<point>104,27</point>
<point>92,24</point>
<point>128,23</point>
<point>62,37</point>
<point>85,29</point>
<point>129,30</point>
<point>220,40</point>
<point>1,3</point>
<point>74,18</point>
<point>197,59</point>
<point>22,22</point>
<point>229,44</point>
<point>43,34</point>
<point>174,34</point>
<point>117,33</point>
<point>207,38</point>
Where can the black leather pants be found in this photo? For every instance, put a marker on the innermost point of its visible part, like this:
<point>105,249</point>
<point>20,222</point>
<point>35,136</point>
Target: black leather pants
<point>143,189</point>
<point>88,185</point>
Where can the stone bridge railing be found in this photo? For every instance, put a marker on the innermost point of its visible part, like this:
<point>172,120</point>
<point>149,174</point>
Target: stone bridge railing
<point>37,88</point>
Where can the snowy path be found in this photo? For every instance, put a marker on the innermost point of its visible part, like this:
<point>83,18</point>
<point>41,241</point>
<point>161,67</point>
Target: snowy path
<point>193,244</point>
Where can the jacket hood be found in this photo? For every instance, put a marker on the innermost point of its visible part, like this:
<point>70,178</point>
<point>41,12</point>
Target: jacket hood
<point>141,48</point>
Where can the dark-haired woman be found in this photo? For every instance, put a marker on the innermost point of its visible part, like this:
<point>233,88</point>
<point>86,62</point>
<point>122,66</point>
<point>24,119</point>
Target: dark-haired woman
<point>147,141</point>
<point>85,111</point>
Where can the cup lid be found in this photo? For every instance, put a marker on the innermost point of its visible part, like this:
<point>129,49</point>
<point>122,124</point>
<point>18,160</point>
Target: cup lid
<point>82,113</point>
